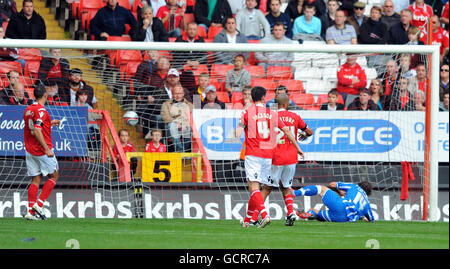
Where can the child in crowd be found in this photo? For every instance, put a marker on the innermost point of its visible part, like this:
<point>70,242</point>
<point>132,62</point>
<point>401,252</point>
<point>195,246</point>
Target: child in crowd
<point>154,144</point>
<point>332,104</point>
<point>124,138</point>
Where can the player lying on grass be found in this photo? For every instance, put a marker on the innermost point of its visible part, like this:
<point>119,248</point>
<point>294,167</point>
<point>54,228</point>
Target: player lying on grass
<point>285,157</point>
<point>348,203</point>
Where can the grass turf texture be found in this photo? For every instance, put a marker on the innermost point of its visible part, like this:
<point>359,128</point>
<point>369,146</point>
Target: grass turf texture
<point>218,234</point>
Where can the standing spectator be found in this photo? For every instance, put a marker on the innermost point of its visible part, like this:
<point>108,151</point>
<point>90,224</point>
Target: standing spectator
<point>19,96</point>
<point>328,18</point>
<point>9,54</point>
<point>421,13</point>
<point>209,13</point>
<point>401,98</point>
<point>275,58</point>
<point>191,58</point>
<point>238,77</point>
<point>363,102</point>
<point>443,82</point>
<point>172,17</point>
<point>341,32</point>
<point>374,31</point>
<point>308,23</point>
<point>145,69</point>
<point>251,22</point>
<point>377,94</point>
<point>155,144</point>
<point>440,36</point>
<point>149,28</point>
<point>443,106</point>
<point>27,24</point>
<point>390,17</point>
<point>351,78</point>
<point>358,17</point>
<point>445,15</point>
<point>228,35</point>
<point>54,67</point>
<point>110,20</point>
<point>75,83</point>
<point>211,101</point>
<point>419,101</point>
<point>275,15</point>
<point>332,104</point>
<point>420,82</point>
<point>398,33</point>
<point>173,112</point>
<point>294,9</point>
<point>7,9</point>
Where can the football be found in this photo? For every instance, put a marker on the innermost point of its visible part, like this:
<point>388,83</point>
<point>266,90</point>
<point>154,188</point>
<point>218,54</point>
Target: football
<point>131,118</point>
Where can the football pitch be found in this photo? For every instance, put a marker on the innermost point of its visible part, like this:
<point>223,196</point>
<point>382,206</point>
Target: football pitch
<point>16,233</point>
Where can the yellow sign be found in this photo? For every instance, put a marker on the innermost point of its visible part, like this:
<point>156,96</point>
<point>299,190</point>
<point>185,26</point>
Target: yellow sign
<point>161,167</point>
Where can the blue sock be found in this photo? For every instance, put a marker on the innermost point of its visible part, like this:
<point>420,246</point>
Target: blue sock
<point>312,212</point>
<point>308,191</point>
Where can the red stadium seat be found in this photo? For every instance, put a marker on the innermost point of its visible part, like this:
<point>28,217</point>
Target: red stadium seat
<point>27,82</point>
<point>263,6</point>
<point>220,71</point>
<point>265,83</point>
<point>126,56</point>
<point>30,92</point>
<point>5,67</point>
<point>89,5</point>
<point>129,70</point>
<point>270,95</point>
<point>86,17</point>
<point>213,31</point>
<point>30,54</point>
<point>256,71</point>
<point>119,38</point>
<point>220,85</point>
<point>202,68</point>
<point>126,4</point>
<point>223,97</point>
<point>305,100</point>
<point>31,69</point>
<point>279,72</point>
<point>292,85</point>
<point>188,17</point>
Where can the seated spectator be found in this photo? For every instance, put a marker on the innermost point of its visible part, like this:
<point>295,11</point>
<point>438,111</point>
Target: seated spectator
<point>358,17</point>
<point>389,17</point>
<point>363,102</point>
<point>440,36</point>
<point>54,67</point>
<point>373,31</point>
<point>332,104</point>
<point>158,75</point>
<point>251,22</point>
<point>75,83</point>
<point>275,15</point>
<point>173,113</point>
<point>7,9</point>
<point>155,4</point>
<point>420,81</point>
<point>211,101</point>
<point>294,9</point>
<point>200,90</point>
<point>419,101</point>
<point>145,69</point>
<point>378,96</point>
<point>443,105</point>
<point>19,96</point>
<point>405,64</point>
<point>228,35</point>
<point>319,6</point>
<point>351,78</point>
<point>211,13</point>
<point>389,77</point>
<point>191,58</point>
<point>398,33</point>
<point>149,28</point>
<point>238,77</point>
<point>341,32</point>
<point>127,146</point>
<point>443,82</point>
<point>51,86</point>
<point>172,17</point>
<point>26,24</point>
<point>307,24</point>
<point>327,19</point>
<point>7,92</point>
<point>280,89</point>
<point>155,145</point>
<point>421,13</point>
<point>401,98</point>
<point>9,54</point>
<point>275,58</point>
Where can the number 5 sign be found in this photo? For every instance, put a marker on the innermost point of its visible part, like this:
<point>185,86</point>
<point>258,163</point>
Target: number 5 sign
<point>161,167</point>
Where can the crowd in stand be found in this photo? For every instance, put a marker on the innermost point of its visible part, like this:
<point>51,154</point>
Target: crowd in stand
<point>166,87</point>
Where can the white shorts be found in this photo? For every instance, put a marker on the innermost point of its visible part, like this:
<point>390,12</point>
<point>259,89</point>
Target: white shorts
<point>257,169</point>
<point>37,165</point>
<point>284,174</point>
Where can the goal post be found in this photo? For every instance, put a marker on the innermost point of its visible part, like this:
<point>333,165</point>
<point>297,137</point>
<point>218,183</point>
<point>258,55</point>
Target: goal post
<point>431,152</point>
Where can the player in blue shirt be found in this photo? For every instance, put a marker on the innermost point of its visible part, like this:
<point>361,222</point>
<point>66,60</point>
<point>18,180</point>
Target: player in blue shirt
<point>350,208</point>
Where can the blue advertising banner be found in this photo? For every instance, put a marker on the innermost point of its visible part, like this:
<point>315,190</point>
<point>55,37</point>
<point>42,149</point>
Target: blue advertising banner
<point>69,139</point>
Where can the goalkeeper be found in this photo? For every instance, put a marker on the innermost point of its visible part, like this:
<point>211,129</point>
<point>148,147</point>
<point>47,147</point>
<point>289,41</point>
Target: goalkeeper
<point>350,208</point>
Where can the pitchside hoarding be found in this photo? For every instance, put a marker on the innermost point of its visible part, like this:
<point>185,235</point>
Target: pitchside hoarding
<point>69,139</point>
<point>338,136</point>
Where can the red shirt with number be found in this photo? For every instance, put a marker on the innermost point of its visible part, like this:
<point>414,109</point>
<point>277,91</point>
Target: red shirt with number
<point>259,125</point>
<point>37,117</point>
<point>285,152</point>
<point>420,15</point>
<point>150,147</point>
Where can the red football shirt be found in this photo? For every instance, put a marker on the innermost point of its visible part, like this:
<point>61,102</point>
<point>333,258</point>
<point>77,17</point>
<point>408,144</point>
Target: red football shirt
<point>129,147</point>
<point>162,13</point>
<point>285,152</point>
<point>36,116</point>
<point>441,38</point>
<point>150,147</point>
<point>420,15</point>
<point>259,124</point>
<point>445,11</point>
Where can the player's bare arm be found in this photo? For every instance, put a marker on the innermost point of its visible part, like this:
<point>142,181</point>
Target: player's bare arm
<point>291,138</point>
<point>307,133</point>
<point>40,138</point>
<point>56,122</point>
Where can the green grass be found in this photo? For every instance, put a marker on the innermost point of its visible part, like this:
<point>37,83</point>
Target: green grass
<point>218,234</point>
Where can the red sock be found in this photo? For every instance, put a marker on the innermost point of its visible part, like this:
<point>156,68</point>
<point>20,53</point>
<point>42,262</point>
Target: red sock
<point>252,206</point>
<point>46,191</point>
<point>261,206</point>
<point>289,201</point>
<point>32,196</point>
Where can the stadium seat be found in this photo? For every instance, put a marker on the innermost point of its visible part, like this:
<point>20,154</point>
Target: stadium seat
<point>279,72</point>
<point>256,71</point>
<point>292,85</point>
<point>223,97</point>
<point>30,92</point>
<point>265,83</point>
<point>126,4</point>
<point>86,17</point>
<point>308,73</point>
<point>27,82</point>
<point>89,5</point>
<point>125,56</point>
<point>220,85</point>
<point>31,69</point>
<point>213,31</point>
<point>30,54</point>
<point>129,70</point>
<point>263,6</point>
<point>305,100</point>
<point>172,39</point>
<point>5,67</point>
<point>270,95</point>
<point>189,17</point>
<point>202,68</point>
<point>219,71</point>
<point>119,38</point>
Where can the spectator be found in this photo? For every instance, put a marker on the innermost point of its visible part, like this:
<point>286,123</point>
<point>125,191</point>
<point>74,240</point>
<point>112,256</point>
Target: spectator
<point>275,15</point>
<point>211,13</point>
<point>440,36</point>
<point>341,32</point>
<point>348,7</point>
<point>389,77</point>
<point>172,17</point>
<point>251,22</point>
<point>149,28</point>
<point>399,5</point>
<point>401,98</point>
<point>158,75</point>
<point>27,24</point>
<point>7,92</point>
<point>419,101</point>
<point>200,91</point>
<point>443,82</point>
<point>378,96</point>
<point>191,58</point>
<point>280,89</point>
<point>155,145</point>
<point>358,17</point>
<point>363,102</point>
<point>351,77</point>
<point>328,18</point>
<point>308,23</point>
<point>7,9</point>
<point>390,17</point>
<point>54,67</point>
<point>294,9</point>
<point>51,86</point>
<point>236,5</point>
<point>319,5</point>
<point>173,112</point>
<point>413,36</point>
<point>211,101</point>
<point>275,58</point>
<point>373,31</point>
<point>420,82</point>
<point>110,20</point>
<point>238,77</point>
<point>228,35</point>
<point>146,69</point>
<point>398,33</point>
<point>69,89</point>
<point>127,146</point>
<point>405,64</point>
<point>437,6</point>
<point>9,54</point>
<point>19,96</point>
<point>443,106</point>
<point>421,13</point>
<point>332,104</point>
<point>155,4</point>
<point>94,135</point>
<point>445,15</point>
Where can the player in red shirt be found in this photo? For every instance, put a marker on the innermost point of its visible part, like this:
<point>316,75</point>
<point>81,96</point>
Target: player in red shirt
<point>127,146</point>
<point>421,13</point>
<point>40,158</point>
<point>154,145</point>
<point>259,124</point>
